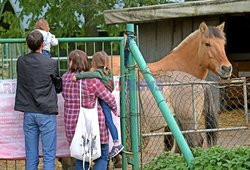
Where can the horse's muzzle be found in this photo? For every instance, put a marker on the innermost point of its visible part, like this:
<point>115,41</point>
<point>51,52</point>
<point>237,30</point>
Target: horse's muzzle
<point>225,71</point>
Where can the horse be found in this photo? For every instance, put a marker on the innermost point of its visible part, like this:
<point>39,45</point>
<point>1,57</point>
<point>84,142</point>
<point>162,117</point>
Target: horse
<point>200,52</point>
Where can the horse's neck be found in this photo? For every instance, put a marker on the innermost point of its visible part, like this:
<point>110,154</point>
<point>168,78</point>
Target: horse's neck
<point>183,58</point>
<point>187,62</point>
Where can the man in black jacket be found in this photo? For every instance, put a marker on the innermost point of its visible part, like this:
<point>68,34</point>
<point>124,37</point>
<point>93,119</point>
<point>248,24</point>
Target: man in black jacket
<point>36,97</point>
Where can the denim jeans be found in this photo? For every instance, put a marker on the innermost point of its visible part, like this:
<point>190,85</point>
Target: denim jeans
<point>100,163</point>
<point>108,119</point>
<point>46,53</point>
<point>35,124</point>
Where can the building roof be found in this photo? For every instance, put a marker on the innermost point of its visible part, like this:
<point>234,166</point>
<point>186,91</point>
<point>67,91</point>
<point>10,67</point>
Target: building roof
<point>176,10</point>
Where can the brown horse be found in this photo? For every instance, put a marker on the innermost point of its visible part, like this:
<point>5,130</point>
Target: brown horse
<point>200,52</point>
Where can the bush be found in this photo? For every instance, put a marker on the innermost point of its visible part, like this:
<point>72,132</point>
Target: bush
<point>218,158</point>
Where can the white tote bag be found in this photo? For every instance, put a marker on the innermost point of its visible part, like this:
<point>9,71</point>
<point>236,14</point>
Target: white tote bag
<point>86,143</point>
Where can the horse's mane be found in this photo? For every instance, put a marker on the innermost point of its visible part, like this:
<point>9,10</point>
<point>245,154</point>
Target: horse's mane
<point>213,32</point>
<point>186,40</point>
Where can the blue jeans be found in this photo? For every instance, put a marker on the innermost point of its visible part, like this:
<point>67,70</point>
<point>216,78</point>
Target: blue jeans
<point>33,125</point>
<point>108,119</point>
<point>100,163</point>
<point>46,53</point>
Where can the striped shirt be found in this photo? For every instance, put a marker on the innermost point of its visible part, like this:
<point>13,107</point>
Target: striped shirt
<point>91,90</point>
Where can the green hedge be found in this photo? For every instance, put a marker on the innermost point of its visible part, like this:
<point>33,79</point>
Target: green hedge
<point>215,158</point>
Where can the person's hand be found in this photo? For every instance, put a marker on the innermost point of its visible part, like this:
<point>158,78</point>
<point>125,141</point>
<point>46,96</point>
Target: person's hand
<point>74,78</point>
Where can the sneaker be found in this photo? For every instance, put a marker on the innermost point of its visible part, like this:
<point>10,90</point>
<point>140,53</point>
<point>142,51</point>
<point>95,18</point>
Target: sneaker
<point>116,150</point>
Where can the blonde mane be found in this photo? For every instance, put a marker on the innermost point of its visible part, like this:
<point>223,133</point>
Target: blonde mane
<point>186,40</point>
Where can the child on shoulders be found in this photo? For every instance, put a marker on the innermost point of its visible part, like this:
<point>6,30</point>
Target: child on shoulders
<point>48,38</point>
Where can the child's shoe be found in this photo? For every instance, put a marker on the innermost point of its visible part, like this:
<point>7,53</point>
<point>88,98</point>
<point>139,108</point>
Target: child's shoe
<point>116,150</point>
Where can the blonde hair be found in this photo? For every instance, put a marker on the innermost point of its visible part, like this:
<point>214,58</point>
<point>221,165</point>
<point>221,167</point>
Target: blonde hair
<point>101,59</point>
<point>42,24</point>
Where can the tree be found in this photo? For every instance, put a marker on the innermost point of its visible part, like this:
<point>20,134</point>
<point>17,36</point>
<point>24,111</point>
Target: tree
<point>68,18</point>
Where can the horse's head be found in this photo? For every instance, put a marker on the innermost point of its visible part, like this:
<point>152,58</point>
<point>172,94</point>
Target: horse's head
<point>212,50</point>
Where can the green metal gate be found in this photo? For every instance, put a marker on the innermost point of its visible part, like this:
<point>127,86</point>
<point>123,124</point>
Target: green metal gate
<point>11,49</point>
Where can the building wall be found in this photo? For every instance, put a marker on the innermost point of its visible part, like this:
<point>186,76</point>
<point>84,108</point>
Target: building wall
<point>156,39</point>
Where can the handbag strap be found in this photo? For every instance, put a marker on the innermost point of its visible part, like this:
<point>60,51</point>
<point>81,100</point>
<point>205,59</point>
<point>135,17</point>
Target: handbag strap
<point>80,93</point>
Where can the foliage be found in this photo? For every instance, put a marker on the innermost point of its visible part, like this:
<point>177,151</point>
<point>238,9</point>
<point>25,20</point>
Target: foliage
<point>218,158</point>
<point>167,160</point>
<point>14,29</point>
<point>221,158</point>
<point>66,16</point>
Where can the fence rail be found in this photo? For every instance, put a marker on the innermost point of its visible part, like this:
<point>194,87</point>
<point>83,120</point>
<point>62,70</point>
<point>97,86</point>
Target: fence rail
<point>12,48</point>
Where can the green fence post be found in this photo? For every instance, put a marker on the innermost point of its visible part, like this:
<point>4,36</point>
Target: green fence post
<point>133,106</point>
<point>160,101</point>
<point>123,105</point>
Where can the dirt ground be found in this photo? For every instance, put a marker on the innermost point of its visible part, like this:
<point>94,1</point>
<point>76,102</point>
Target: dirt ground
<point>20,165</point>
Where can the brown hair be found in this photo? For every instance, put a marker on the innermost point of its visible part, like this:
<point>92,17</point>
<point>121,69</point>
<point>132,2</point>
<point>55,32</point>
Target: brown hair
<point>42,24</point>
<point>79,61</point>
<point>34,40</point>
<point>101,59</point>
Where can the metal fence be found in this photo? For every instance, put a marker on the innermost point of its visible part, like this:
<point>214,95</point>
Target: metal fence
<point>193,101</point>
<point>187,98</point>
<point>11,49</point>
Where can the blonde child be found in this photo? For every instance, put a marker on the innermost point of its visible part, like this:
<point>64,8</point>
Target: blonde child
<point>49,39</point>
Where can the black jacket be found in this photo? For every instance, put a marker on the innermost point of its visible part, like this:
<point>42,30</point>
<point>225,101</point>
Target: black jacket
<point>35,90</point>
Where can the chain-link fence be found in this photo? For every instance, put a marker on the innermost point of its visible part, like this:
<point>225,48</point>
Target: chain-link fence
<point>208,113</point>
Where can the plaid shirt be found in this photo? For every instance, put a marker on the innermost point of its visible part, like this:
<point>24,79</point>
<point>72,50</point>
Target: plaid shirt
<point>91,89</point>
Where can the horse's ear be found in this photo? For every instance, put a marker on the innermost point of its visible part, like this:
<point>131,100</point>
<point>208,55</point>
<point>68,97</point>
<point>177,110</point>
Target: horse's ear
<point>203,27</point>
<point>221,26</point>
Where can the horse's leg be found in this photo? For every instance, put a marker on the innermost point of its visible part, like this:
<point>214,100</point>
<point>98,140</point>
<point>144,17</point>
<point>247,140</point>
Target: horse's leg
<point>168,140</point>
<point>193,139</point>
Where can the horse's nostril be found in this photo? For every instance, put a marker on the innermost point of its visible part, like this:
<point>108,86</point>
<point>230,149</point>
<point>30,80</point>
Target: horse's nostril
<point>226,68</point>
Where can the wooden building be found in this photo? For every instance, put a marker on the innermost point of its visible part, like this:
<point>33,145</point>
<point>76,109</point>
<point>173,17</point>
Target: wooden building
<point>163,27</point>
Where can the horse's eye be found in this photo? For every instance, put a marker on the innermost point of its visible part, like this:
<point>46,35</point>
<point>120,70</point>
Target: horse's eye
<point>208,44</point>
